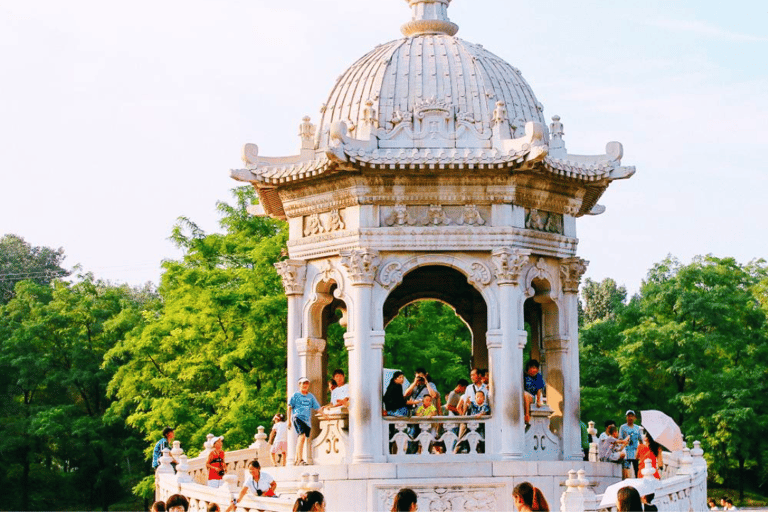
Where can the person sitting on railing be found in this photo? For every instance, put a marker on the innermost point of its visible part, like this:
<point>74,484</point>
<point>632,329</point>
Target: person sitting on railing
<point>340,395</point>
<point>395,402</point>
<point>215,464</point>
<point>533,385</point>
<point>611,449</point>
<point>478,409</point>
<point>256,483</point>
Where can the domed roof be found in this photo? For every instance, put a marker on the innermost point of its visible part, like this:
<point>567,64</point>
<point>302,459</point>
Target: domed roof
<point>433,102</point>
<point>430,64</point>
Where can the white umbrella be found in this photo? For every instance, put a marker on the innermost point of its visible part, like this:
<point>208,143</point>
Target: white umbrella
<point>644,486</point>
<point>663,429</point>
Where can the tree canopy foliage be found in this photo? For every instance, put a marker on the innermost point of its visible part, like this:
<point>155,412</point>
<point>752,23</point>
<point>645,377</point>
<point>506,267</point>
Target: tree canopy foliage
<point>20,261</point>
<point>209,356</point>
<point>693,343</point>
<point>58,449</point>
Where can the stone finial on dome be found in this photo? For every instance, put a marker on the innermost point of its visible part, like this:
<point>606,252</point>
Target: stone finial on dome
<point>429,17</point>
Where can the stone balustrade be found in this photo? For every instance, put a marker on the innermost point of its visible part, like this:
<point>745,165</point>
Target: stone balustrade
<point>682,491</point>
<point>190,479</point>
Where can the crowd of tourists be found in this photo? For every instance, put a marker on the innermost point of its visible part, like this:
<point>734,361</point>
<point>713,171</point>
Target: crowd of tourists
<point>525,497</point>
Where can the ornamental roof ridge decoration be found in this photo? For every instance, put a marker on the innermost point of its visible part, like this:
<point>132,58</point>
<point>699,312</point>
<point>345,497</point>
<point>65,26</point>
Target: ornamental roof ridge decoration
<point>430,101</point>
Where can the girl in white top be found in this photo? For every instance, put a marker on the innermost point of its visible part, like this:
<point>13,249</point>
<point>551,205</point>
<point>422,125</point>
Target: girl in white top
<point>279,437</point>
<point>257,483</point>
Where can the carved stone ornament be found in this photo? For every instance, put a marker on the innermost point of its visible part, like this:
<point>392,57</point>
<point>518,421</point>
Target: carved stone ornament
<point>549,222</point>
<point>316,224</point>
<point>400,217</point>
<point>571,270</point>
<point>306,130</point>
<point>335,222</point>
<point>361,265</point>
<point>471,216</point>
<point>436,216</point>
<point>481,275</point>
<point>391,275</point>
<point>509,264</point>
<point>293,274</point>
<point>450,497</point>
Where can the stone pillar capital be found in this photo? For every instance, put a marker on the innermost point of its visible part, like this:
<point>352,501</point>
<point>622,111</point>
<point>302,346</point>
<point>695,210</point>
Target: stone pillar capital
<point>361,265</point>
<point>509,264</point>
<point>571,270</point>
<point>294,274</point>
<point>310,346</point>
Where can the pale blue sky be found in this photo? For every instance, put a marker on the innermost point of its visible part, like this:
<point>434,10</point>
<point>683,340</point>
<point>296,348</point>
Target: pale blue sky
<point>117,117</point>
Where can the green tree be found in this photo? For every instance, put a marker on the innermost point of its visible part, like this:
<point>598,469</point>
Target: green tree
<point>56,448</point>
<point>21,261</point>
<point>429,334</point>
<point>601,301</point>
<point>211,354</point>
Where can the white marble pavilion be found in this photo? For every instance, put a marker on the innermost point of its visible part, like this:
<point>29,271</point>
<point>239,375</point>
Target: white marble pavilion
<point>433,174</point>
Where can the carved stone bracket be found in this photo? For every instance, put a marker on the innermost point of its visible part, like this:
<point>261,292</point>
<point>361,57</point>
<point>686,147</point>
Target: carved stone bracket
<point>571,270</point>
<point>307,346</point>
<point>391,275</point>
<point>293,273</point>
<point>481,275</point>
<point>509,264</point>
<point>361,265</point>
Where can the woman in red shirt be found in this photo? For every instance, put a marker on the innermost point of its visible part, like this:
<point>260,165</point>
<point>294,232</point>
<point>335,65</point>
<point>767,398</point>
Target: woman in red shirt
<point>649,449</point>
<point>215,464</point>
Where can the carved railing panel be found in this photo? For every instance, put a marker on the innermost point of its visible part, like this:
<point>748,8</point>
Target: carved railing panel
<point>436,438</point>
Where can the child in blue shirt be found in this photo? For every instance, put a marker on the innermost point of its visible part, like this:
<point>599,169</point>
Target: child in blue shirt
<point>533,386</point>
<point>301,404</point>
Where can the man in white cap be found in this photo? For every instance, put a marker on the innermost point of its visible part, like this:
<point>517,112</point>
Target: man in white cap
<point>631,432</point>
<point>301,404</point>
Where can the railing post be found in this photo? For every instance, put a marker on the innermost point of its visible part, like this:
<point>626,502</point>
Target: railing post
<point>182,470</point>
<point>165,467</point>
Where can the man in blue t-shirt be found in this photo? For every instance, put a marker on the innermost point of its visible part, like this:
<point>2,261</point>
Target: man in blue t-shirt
<point>164,442</point>
<point>631,432</point>
<point>533,385</point>
<point>301,404</point>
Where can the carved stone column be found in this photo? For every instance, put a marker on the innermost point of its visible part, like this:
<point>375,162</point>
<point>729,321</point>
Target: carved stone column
<point>293,273</point>
<point>571,270</point>
<point>507,359</point>
<point>361,266</point>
